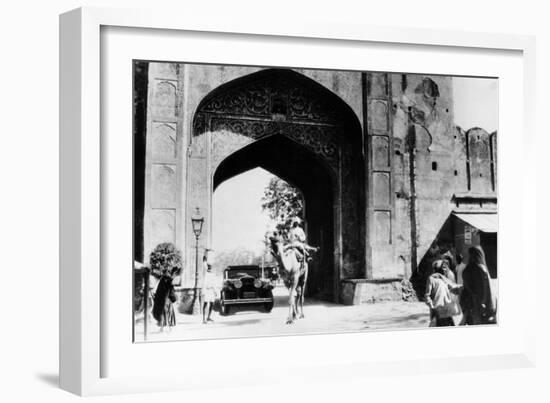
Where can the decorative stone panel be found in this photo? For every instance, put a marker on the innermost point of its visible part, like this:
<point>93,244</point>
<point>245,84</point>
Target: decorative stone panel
<point>381,189</point>
<point>381,152</point>
<point>164,141</point>
<point>287,97</point>
<point>163,222</point>
<point>379,118</point>
<point>382,227</point>
<point>164,99</point>
<point>321,139</point>
<point>164,181</point>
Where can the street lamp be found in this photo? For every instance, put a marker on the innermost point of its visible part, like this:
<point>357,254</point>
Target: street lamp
<point>197,221</point>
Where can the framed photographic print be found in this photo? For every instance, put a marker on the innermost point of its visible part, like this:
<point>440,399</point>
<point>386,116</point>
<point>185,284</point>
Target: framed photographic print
<point>234,199</point>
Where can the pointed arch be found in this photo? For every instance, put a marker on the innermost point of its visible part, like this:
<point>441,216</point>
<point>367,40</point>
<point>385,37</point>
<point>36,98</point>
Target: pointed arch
<point>279,95</point>
<point>297,129</point>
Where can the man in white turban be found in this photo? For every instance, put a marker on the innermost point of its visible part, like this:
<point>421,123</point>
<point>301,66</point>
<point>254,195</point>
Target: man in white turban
<point>298,239</point>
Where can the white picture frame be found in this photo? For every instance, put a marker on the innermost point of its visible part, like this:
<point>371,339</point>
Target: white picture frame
<point>83,174</point>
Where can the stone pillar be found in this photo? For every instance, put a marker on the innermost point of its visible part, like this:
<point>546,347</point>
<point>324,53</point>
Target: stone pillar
<point>380,195</point>
<point>162,204</point>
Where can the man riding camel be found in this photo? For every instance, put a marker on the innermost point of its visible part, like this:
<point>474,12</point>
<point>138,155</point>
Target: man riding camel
<point>297,238</point>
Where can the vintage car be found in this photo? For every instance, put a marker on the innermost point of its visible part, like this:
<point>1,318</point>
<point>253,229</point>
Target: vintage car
<point>246,285</point>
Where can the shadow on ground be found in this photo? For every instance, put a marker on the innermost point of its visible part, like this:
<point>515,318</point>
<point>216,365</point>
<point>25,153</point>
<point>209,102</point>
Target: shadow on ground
<point>241,322</point>
<point>49,379</point>
<point>282,300</point>
<point>392,322</point>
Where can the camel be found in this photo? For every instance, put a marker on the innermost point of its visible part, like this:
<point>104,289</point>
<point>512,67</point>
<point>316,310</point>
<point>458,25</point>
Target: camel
<point>294,274</point>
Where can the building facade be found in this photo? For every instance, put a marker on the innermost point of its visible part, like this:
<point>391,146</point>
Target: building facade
<point>384,171</point>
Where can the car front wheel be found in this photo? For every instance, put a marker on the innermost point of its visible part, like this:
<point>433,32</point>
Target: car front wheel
<point>268,306</point>
<point>224,308</point>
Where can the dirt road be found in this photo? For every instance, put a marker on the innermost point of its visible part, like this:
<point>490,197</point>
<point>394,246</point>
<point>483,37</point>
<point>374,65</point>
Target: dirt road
<point>320,317</point>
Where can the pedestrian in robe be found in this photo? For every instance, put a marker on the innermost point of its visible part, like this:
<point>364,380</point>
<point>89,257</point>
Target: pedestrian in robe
<point>477,295</point>
<point>460,266</point>
<point>163,308</point>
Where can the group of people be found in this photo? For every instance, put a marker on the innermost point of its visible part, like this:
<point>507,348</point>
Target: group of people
<point>455,295</point>
<point>464,297</point>
<point>165,297</point>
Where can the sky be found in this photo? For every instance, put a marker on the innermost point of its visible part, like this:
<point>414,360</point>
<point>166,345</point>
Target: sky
<point>238,217</point>
<point>476,103</point>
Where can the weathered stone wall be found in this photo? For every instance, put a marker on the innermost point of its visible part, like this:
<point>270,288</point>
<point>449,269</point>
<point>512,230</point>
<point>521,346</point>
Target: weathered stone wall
<point>434,157</point>
<point>424,148</point>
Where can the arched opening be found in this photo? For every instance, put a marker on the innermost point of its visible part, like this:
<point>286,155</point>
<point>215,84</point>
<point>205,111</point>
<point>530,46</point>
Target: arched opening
<point>297,129</point>
<point>300,167</point>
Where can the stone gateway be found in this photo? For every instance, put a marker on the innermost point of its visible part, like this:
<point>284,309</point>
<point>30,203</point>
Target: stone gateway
<point>380,163</point>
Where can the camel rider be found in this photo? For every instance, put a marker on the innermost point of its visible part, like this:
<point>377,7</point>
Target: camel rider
<point>297,238</point>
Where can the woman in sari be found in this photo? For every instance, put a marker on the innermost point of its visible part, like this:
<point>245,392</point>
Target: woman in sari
<point>163,308</point>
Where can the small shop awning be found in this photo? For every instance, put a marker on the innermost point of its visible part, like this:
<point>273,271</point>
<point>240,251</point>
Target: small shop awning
<point>485,222</point>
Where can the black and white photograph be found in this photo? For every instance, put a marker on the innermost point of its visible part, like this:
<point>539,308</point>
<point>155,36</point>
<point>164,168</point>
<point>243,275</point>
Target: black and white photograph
<point>273,201</point>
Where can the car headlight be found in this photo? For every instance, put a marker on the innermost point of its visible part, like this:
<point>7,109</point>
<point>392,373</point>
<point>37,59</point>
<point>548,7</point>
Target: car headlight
<point>257,283</point>
<point>238,284</point>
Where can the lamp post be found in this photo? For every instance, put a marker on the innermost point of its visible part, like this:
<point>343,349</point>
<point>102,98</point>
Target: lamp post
<point>197,221</point>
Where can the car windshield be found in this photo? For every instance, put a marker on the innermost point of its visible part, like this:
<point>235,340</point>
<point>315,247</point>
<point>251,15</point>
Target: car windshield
<point>240,272</point>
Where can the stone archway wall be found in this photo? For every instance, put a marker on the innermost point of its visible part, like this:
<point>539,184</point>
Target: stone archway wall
<point>282,102</point>
<point>390,226</point>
